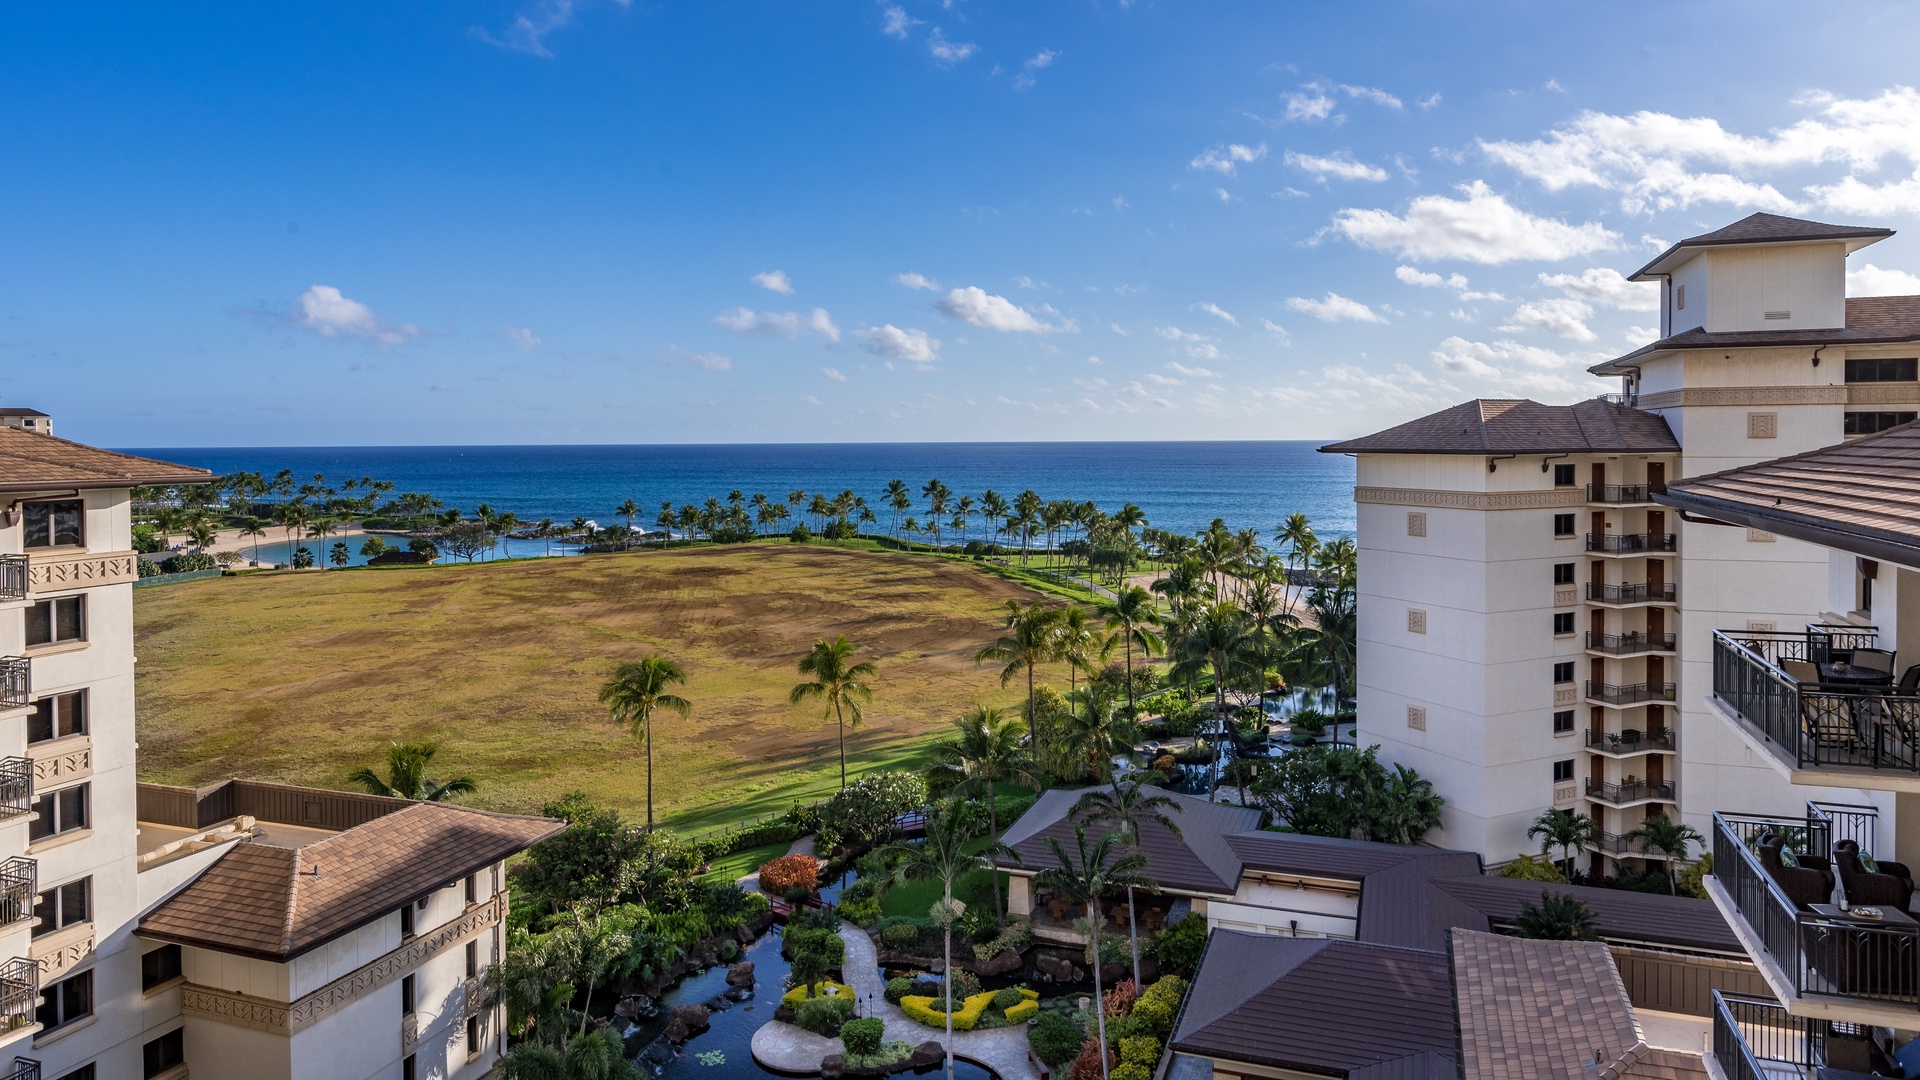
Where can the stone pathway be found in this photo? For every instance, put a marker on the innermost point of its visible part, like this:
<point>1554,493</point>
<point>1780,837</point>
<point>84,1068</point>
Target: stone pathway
<point>786,1048</point>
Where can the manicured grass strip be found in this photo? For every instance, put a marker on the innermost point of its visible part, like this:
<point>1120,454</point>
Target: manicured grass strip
<point>741,863</point>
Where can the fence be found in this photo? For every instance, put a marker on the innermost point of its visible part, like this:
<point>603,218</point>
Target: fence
<point>319,808</point>
<point>175,579</point>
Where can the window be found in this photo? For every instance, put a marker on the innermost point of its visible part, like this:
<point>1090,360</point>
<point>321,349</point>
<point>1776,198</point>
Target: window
<point>473,1035</point>
<point>473,959</point>
<point>1563,722</point>
<point>406,995</point>
<point>84,1072</point>
<point>408,1070</point>
<point>64,1002</point>
<point>1563,771</point>
<point>163,1053</point>
<point>473,888</point>
<point>64,905</point>
<point>57,717</point>
<point>1563,476</point>
<point>50,622</point>
<point>1563,672</point>
<point>1563,524</point>
<point>1878,370</point>
<point>54,524</point>
<point>1863,423</point>
<point>1562,623</point>
<point>60,811</point>
<point>1563,573</point>
<point>406,920</point>
<point>160,966</point>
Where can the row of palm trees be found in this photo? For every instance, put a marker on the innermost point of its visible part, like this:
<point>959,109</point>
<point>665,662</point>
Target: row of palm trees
<point>1572,831</point>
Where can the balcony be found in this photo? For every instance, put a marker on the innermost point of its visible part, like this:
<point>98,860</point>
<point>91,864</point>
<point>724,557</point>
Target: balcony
<point>16,682</point>
<point>1621,847</point>
<point>1857,731</point>
<point>23,1069</point>
<point>1622,494</point>
<point>1629,543</point>
<point>19,878</point>
<point>19,994</point>
<point>16,787</point>
<point>13,577</point>
<point>1629,644</point>
<point>1630,694</point>
<point>1628,794</point>
<point>1757,1039</point>
<point>1662,592</point>
<point>1630,741</point>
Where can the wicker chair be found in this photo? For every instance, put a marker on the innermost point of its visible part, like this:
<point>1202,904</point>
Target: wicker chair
<point>1891,887</point>
<point>1804,885</point>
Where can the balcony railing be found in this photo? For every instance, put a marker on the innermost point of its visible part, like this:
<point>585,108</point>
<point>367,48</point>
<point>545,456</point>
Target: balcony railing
<point>1629,543</point>
<point>1622,493</point>
<point>19,877</point>
<point>1637,791</point>
<point>16,682</point>
<point>19,993</point>
<point>1815,724</point>
<point>1630,694</point>
<point>13,577</point>
<point>1757,1039</point>
<point>1623,644</point>
<point>1647,592</point>
<point>16,787</point>
<point>1631,741</point>
<point>1818,955</point>
<point>22,1069</point>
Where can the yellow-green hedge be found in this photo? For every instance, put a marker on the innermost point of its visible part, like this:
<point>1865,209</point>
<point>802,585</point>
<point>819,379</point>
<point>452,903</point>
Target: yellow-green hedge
<point>1024,1011</point>
<point>921,1008</point>
<point>798,993</point>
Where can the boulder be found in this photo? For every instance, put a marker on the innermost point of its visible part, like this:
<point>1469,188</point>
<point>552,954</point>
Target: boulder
<point>783,1013</point>
<point>1111,974</point>
<point>1003,963</point>
<point>744,934</point>
<point>927,1055</point>
<point>687,1021</point>
<point>658,1052</point>
<point>832,1067</point>
<point>636,1007</point>
<point>1056,968</point>
<point>740,974</point>
<point>738,993</point>
<point>718,1003</point>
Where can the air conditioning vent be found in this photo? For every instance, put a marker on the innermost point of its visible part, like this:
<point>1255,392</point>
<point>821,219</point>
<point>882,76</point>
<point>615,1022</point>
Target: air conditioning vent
<point>1779,314</point>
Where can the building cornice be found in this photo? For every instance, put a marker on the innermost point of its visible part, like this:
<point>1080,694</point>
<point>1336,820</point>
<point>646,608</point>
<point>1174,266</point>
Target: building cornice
<point>1471,500</point>
<point>1744,395</point>
<point>80,570</point>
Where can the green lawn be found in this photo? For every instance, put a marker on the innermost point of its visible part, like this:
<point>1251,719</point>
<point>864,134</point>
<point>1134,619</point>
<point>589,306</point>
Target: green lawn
<point>916,898</point>
<point>745,861</point>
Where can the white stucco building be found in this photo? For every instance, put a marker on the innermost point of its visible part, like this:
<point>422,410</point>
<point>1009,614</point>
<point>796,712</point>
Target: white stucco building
<point>1535,630</point>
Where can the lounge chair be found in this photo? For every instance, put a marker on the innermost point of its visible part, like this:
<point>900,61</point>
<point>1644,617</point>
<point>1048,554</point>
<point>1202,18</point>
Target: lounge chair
<point>1804,885</point>
<point>1891,887</point>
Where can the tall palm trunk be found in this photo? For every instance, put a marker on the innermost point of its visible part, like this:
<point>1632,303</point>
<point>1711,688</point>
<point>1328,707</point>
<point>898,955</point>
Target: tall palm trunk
<point>993,830</point>
<point>946,972</point>
<point>1133,935</point>
<point>843,744</point>
<point>1099,997</point>
<point>649,776</point>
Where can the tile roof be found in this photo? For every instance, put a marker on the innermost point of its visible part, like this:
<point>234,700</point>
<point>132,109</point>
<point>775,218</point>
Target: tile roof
<point>1540,1010</point>
<point>275,903</point>
<point>1861,496</point>
<point>1343,1008</point>
<point>1328,856</point>
<point>1621,915</point>
<point>33,462</point>
<point>1200,859</point>
<point>19,410</point>
<point>1490,426</point>
<point>1871,320</point>
<point>1767,229</point>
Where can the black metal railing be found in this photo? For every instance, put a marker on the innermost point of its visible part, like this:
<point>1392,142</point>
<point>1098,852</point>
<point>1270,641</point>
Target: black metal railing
<point>1830,823</point>
<point>1622,644</point>
<point>1816,724</point>
<point>1616,845</point>
<point>13,577</point>
<point>19,884</point>
<point>1637,791</point>
<point>1632,741</point>
<point>1622,493</point>
<point>23,1069</point>
<point>1629,543</point>
<point>1820,955</point>
<point>1646,592</point>
<point>16,787</point>
<point>1819,643</point>
<point>16,682</point>
<point>19,993</point>
<point>1757,1039</point>
<point>1630,693</point>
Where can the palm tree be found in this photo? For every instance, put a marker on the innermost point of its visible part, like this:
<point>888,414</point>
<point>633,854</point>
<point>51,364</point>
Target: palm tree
<point>1134,614</point>
<point>994,507</point>
<point>544,530</point>
<point>1668,837</point>
<point>1026,509</point>
<point>899,500</point>
<point>1296,533</point>
<point>943,857</point>
<point>838,681</point>
<point>1076,643</point>
<point>1029,642</point>
<point>635,690</point>
<point>1557,917</point>
<point>629,510</point>
<point>407,765</point>
<point>1218,638</point>
<point>1123,806</point>
<point>985,750</point>
<point>255,528</point>
<point>1567,830</point>
<point>1083,877</point>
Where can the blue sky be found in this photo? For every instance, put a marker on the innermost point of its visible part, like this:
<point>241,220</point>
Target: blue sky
<point>674,221</point>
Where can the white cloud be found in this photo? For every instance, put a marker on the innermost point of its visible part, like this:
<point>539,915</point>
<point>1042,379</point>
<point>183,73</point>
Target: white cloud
<point>1308,104</point>
<point>712,362</point>
<point>948,52</point>
<point>916,281</point>
<point>1871,280</point>
<point>1335,308</point>
<point>1553,85</point>
<point>787,324</point>
<point>1563,316</point>
<point>1657,161</point>
<point>1428,280</point>
<point>1276,330</point>
<point>897,344</point>
<point>1430,101</point>
<point>529,30</point>
<point>327,313</point>
<point>981,308</point>
<point>1340,166</point>
<point>523,338</point>
<point>1042,59</point>
<point>1641,335</point>
<point>1373,94</point>
<point>1222,194</point>
<point>1225,158</point>
<point>1458,355</point>
<point>821,323</point>
<point>1174,333</point>
<point>1218,312</point>
<point>810,399</point>
<point>774,281</point>
<point>1191,372</point>
<point>1482,227</point>
<point>894,22</point>
<point>1606,286</point>
<point>1162,380</point>
<point>833,373</point>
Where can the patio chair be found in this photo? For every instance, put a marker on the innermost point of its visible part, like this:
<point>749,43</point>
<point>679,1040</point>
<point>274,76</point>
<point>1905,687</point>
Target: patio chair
<point>1909,680</point>
<point>1804,885</point>
<point>1828,721</point>
<point>1801,671</point>
<point>1874,660</point>
<point>1891,887</point>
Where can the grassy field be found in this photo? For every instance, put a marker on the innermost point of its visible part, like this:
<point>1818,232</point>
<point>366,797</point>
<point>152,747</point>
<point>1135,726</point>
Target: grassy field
<point>301,677</point>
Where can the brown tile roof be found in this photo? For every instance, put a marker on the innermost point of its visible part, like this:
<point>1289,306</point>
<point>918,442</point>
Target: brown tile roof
<point>1201,859</point>
<point>1767,229</point>
<point>1488,426</point>
<point>275,903</point>
<point>1320,1005</point>
<point>1861,496</point>
<point>1871,320</point>
<point>35,462</point>
<point>1621,915</point>
<point>19,410</point>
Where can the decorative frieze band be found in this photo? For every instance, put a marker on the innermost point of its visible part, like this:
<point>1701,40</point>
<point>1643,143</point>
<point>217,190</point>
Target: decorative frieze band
<point>1471,500</point>
<point>62,951</point>
<point>228,1007</point>
<point>59,764</point>
<point>81,570</point>
<point>1883,393</point>
<point>1745,395</point>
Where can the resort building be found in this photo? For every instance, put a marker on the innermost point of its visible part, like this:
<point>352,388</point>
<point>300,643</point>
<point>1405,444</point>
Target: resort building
<point>34,420</point>
<point>244,930</point>
<point>1536,628</point>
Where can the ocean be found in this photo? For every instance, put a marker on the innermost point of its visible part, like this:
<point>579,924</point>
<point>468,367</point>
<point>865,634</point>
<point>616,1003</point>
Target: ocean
<point>1182,486</point>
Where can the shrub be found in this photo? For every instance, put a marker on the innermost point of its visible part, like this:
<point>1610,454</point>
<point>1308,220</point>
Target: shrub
<point>800,534</point>
<point>1533,868</point>
<point>824,988</point>
<point>192,560</point>
<point>801,939</point>
<point>1156,1009</point>
<point>1054,1038</point>
<point>862,912</point>
<point>145,540</point>
<point>1007,999</point>
<point>780,876</point>
<point>824,1015</point>
<point>818,919</point>
<point>1140,1050</point>
<point>1177,948</point>
<point>1024,1011</point>
<point>1087,1065</point>
<point>898,988</point>
<point>965,984</point>
<point>147,567</point>
<point>927,1010</point>
<point>1119,1000</point>
<point>1693,875</point>
<point>1130,1071</point>
<point>1014,936</point>
<point>729,949</point>
<point>863,1037</point>
<point>901,935</point>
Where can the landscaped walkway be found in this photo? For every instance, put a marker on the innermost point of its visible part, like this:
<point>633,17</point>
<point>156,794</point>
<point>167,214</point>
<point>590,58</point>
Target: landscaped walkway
<point>786,1048</point>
